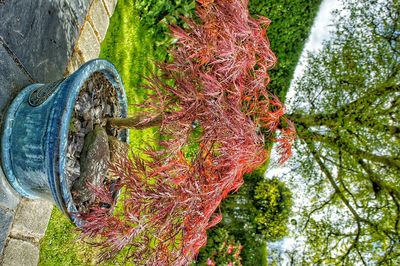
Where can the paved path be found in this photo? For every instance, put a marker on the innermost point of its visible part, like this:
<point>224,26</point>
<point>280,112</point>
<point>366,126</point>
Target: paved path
<point>40,41</point>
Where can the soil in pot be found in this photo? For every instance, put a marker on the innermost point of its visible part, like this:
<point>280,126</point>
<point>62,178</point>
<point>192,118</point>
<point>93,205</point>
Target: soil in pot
<point>91,147</point>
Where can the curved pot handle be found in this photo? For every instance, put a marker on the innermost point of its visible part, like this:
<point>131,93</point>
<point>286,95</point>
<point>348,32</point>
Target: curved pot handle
<point>41,94</point>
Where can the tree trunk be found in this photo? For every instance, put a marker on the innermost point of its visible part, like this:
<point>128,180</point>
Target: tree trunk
<point>353,109</point>
<point>137,122</point>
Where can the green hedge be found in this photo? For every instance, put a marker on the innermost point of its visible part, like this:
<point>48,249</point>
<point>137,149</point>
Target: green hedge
<point>291,22</point>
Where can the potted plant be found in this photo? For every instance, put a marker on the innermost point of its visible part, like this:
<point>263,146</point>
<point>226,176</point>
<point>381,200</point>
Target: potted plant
<point>49,126</point>
<point>214,114</point>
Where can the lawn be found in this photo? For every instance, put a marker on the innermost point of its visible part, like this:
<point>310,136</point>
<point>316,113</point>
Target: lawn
<point>135,38</point>
<point>131,50</point>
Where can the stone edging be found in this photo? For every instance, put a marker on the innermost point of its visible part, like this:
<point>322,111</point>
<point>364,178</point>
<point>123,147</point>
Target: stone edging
<point>31,217</point>
<point>92,33</point>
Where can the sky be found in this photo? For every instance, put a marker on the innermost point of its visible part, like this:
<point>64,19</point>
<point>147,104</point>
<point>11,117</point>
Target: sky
<point>320,31</point>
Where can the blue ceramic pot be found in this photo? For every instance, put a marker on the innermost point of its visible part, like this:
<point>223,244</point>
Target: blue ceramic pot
<point>35,135</point>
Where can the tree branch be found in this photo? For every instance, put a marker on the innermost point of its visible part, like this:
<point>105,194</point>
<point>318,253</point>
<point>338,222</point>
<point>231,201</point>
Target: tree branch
<point>338,142</point>
<point>138,122</point>
<point>376,179</point>
<point>331,179</point>
<point>347,110</point>
<point>317,209</point>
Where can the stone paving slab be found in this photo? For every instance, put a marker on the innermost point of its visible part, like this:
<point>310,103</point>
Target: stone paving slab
<point>110,6</point>
<point>31,219</point>
<point>42,33</point>
<point>6,218</point>
<point>99,19</point>
<point>75,62</point>
<point>87,46</point>
<point>12,77</point>
<point>8,197</point>
<point>20,253</point>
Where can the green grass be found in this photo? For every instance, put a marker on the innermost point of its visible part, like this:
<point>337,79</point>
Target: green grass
<point>59,246</point>
<point>131,49</point>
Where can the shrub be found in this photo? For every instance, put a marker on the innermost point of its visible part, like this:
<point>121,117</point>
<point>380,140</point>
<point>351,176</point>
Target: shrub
<point>221,249</point>
<point>217,81</point>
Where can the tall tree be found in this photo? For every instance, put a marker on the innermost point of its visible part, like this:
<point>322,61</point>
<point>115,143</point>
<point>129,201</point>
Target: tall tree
<point>346,111</point>
<point>258,212</point>
<point>261,207</point>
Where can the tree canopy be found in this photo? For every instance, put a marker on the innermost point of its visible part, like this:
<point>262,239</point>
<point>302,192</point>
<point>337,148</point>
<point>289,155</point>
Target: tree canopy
<point>258,212</point>
<point>346,112</point>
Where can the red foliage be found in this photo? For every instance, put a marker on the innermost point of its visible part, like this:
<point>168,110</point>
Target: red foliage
<point>220,77</point>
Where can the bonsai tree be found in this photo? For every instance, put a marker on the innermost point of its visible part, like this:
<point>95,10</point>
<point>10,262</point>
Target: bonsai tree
<point>214,115</point>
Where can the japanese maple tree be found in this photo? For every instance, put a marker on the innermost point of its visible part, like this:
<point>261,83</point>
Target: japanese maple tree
<point>212,97</point>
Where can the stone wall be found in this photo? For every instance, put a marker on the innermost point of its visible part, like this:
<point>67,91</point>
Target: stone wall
<point>40,41</point>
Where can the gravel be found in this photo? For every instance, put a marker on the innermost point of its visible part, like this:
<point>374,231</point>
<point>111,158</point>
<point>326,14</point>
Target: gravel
<point>96,102</point>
